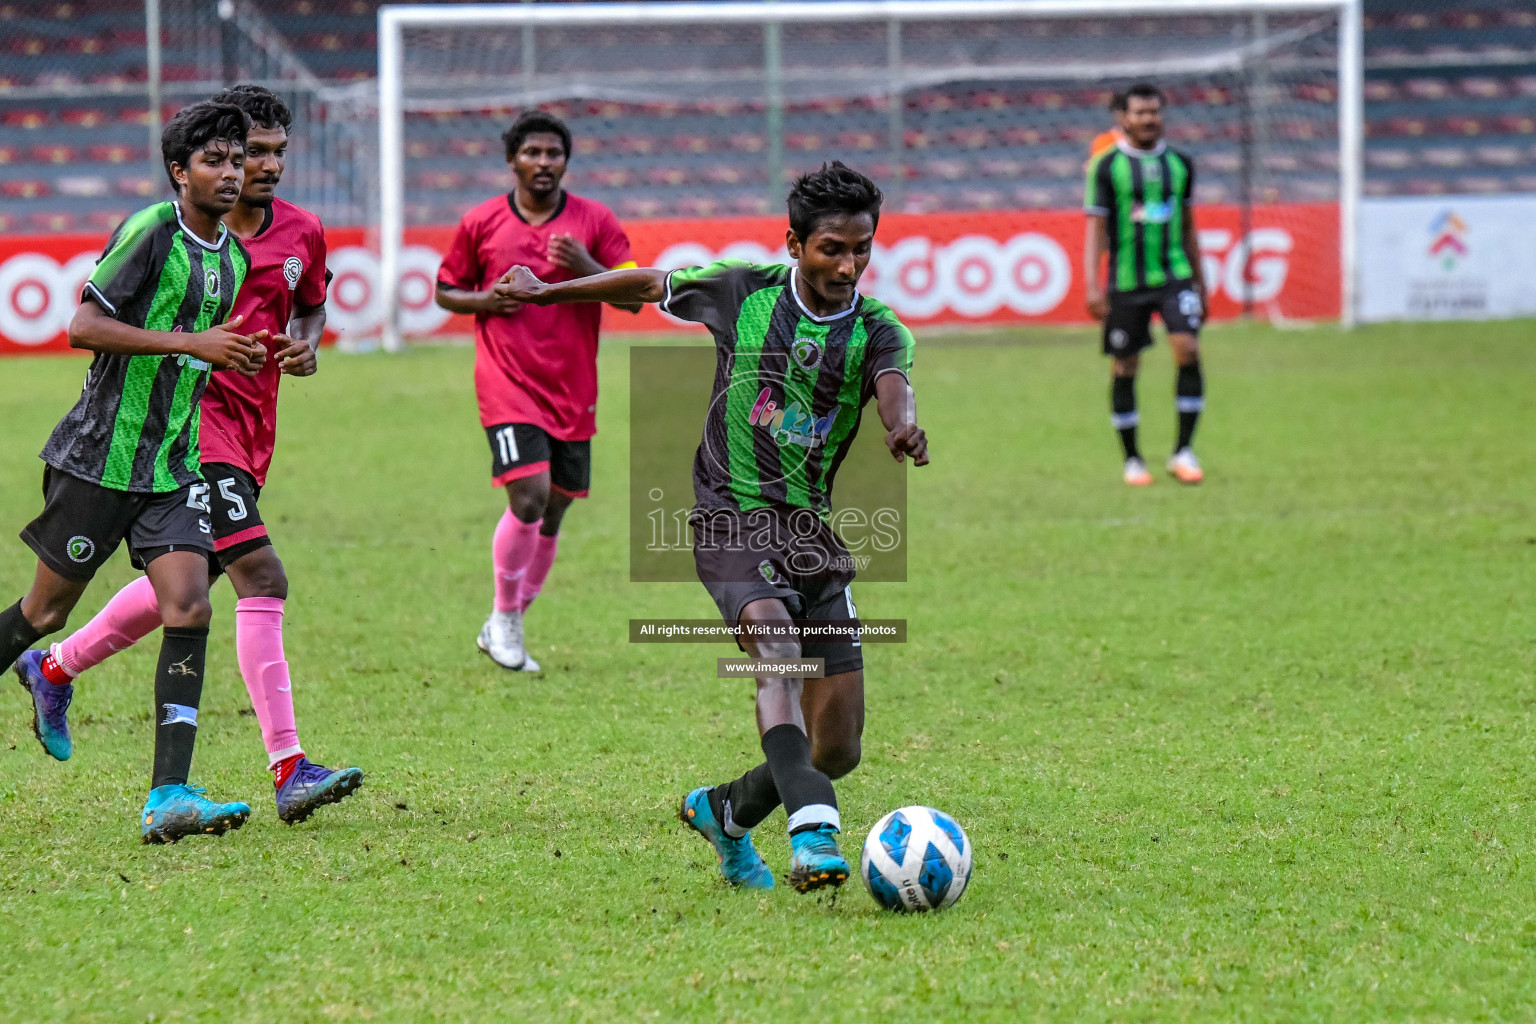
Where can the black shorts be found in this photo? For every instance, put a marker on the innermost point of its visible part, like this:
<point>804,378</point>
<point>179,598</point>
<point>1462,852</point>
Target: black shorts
<point>522,449</point>
<point>1128,328</point>
<point>237,526</point>
<point>83,523</point>
<point>743,557</point>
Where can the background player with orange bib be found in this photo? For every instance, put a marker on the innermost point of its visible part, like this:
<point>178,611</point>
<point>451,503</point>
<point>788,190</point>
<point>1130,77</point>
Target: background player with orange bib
<point>535,366</point>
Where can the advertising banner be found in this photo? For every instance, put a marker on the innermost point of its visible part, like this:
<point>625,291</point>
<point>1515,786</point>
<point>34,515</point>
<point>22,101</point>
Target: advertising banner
<point>1447,258</point>
<point>1001,267</point>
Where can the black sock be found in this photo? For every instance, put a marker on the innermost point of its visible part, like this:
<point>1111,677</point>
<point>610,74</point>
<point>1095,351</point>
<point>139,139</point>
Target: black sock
<point>1189,396</point>
<point>742,804</point>
<point>16,635</point>
<point>1123,414</point>
<point>178,689</point>
<point>807,793</point>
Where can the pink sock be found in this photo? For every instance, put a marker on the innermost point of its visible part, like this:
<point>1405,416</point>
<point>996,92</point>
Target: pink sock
<point>538,570</point>
<point>259,649</point>
<point>131,615</point>
<point>511,547</point>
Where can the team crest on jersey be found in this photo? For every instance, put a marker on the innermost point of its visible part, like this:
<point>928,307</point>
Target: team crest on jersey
<point>765,567</point>
<point>293,269</point>
<point>807,353</point>
<point>211,283</point>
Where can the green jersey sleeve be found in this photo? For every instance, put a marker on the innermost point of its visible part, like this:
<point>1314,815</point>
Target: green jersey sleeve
<point>891,347</point>
<point>129,258</point>
<point>712,295</point>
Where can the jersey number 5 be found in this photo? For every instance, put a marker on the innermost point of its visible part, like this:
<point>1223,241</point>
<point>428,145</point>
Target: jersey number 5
<point>236,503</point>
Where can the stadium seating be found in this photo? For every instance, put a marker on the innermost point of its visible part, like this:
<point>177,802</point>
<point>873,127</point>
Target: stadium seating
<point>1451,107</point>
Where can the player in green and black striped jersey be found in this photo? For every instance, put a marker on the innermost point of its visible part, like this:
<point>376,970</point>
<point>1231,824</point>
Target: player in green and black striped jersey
<point>1139,202</point>
<point>799,353</point>
<point>123,463</point>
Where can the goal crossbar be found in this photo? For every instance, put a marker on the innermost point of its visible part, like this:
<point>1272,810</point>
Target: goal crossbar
<point>393,20</point>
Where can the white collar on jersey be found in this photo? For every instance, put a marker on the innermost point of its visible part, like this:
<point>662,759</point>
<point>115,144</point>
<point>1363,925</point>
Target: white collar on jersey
<point>793,273</point>
<point>211,246</point>
<point>1130,150</point>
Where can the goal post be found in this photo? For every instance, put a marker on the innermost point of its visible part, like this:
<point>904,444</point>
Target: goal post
<point>767,60</point>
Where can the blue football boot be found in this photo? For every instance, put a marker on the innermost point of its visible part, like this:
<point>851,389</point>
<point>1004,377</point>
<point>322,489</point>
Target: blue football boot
<point>50,704</point>
<point>816,862</point>
<point>740,863</point>
<point>311,787</point>
<point>178,810</point>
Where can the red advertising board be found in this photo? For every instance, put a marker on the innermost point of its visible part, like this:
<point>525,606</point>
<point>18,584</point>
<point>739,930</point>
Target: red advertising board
<point>1001,267</point>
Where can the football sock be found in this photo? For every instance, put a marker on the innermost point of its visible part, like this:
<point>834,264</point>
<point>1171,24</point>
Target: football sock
<point>807,793</point>
<point>282,770</point>
<point>741,804</point>
<point>131,615</point>
<point>53,671</point>
<point>538,570</point>
<point>259,649</point>
<point>178,689</point>
<point>1123,415</point>
<point>1189,397</point>
<point>511,547</point>
<point>16,635</point>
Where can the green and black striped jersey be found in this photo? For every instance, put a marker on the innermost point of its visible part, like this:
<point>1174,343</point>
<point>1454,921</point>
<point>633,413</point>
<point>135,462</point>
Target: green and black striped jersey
<point>789,386</point>
<point>1143,196</point>
<point>135,425</point>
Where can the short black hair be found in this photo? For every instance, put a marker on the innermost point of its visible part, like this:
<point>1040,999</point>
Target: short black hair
<point>1121,101</point>
<point>261,105</point>
<point>196,126</point>
<point>836,188</point>
<point>530,122</point>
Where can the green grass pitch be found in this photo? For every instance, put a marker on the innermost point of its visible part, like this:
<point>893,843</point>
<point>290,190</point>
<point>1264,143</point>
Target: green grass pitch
<point>1260,750</point>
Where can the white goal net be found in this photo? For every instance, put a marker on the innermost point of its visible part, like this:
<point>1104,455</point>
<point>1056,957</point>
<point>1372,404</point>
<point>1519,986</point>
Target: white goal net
<point>706,110</point>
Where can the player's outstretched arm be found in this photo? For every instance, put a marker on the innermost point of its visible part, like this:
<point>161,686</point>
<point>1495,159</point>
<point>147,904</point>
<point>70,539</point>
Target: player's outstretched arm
<point>636,284</point>
<point>898,412</point>
<point>223,346</point>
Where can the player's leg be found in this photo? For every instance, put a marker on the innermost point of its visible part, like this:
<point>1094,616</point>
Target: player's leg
<point>244,552</point>
<point>570,477</point>
<point>80,527</point>
<point>173,540</point>
<point>1126,332</point>
<point>1181,315</point>
<point>42,611</point>
<point>520,456</point>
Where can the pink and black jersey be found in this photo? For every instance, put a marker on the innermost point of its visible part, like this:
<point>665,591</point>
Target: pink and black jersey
<point>538,365</point>
<point>239,413</point>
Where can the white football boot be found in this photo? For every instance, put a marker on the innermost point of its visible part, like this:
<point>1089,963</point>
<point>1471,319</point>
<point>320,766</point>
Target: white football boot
<point>1185,467</point>
<point>501,638</point>
<point>1136,473</point>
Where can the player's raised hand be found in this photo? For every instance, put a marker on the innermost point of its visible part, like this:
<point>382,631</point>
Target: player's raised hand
<point>520,284</point>
<point>908,439</point>
<point>295,358</point>
<point>568,252</point>
<point>225,348</point>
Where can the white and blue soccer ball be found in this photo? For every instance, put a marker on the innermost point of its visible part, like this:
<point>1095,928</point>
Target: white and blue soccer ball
<point>916,859</point>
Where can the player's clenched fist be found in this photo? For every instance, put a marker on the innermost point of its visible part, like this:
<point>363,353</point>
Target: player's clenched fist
<point>521,284</point>
<point>224,348</point>
<point>908,439</point>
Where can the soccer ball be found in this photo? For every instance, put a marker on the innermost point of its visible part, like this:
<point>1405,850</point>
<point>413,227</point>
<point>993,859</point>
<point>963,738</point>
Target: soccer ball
<point>916,859</point>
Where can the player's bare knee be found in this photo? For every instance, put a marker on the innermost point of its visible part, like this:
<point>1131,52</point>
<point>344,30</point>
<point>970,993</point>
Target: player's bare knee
<point>836,759</point>
<point>1125,366</point>
<point>186,611</point>
<point>787,649</point>
<point>528,504</point>
<point>1186,349</point>
<point>259,574</point>
<point>47,618</point>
